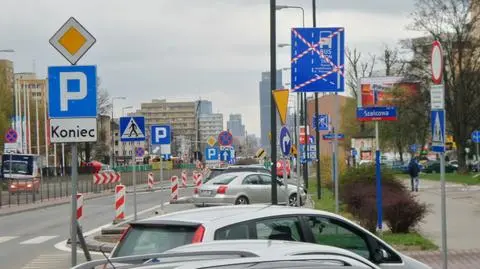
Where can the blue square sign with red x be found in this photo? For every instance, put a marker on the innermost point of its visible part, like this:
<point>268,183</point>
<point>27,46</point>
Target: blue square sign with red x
<point>318,59</point>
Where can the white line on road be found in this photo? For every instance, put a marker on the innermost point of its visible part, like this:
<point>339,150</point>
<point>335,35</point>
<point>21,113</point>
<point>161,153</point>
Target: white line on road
<point>38,240</point>
<point>4,239</point>
<point>63,244</point>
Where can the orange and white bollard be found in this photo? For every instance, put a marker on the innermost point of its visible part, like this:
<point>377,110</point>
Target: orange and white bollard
<point>120,202</point>
<point>79,206</point>
<point>150,181</point>
<point>184,179</point>
<point>174,189</point>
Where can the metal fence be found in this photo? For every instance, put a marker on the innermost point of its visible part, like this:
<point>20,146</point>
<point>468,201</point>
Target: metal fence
<point>28,191</point>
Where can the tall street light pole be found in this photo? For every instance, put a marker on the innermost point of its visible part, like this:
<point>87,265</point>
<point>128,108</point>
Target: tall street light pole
<point>303,99</point>
<point>123,144</point>
<point>273,112</point>
<point>112,162</point>
<point>317,133</point>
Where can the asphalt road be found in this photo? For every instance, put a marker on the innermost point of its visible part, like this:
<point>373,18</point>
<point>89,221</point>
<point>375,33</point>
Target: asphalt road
<point>33,240</point>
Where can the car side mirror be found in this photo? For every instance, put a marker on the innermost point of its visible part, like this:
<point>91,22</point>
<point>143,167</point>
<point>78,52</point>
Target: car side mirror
<point>380,255</point>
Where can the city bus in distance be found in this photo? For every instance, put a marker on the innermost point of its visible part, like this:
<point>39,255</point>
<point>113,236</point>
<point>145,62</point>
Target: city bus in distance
<point>25,174</point>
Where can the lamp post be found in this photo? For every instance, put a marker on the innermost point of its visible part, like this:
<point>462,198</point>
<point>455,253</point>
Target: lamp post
<point>123,144</point>
<point>301,96</point>
<point>111,130</point>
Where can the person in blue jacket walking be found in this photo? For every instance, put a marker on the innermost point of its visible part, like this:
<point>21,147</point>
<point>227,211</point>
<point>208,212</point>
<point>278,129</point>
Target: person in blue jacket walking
<point>413,171</point>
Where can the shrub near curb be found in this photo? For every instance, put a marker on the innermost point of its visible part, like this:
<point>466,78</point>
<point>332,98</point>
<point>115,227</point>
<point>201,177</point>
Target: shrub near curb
<point>358,192</point>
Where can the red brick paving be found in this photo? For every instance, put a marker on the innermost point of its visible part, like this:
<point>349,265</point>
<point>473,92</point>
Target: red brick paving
<point>457,259</point>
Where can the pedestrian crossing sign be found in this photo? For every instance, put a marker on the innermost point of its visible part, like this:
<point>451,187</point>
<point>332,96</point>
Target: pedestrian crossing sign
<point>132,129</point>
<point>438,130</point>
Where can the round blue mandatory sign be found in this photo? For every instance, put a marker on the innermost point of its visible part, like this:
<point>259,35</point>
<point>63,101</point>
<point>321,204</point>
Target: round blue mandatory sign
<point>285,141</point>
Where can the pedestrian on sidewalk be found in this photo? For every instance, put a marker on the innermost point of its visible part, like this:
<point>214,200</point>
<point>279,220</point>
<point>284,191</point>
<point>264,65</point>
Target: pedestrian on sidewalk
<point>414,170</point>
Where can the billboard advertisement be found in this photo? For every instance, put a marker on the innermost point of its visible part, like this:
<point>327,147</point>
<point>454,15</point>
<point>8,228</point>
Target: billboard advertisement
<point>376,91</point>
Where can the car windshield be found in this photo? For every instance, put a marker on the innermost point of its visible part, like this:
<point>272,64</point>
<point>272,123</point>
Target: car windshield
<point>17,167</point>
<point>223,179</point>
<point>153,239</point>
<point>214,173</point>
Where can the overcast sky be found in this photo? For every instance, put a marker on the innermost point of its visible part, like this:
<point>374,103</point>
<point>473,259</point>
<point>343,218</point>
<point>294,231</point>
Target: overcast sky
<point>188,49</point>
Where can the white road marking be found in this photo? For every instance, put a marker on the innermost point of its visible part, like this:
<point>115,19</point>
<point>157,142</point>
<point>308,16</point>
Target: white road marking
<point>63,244</point>
<point>4,239</point>
<point>48,261</point>
<point>38,240</point>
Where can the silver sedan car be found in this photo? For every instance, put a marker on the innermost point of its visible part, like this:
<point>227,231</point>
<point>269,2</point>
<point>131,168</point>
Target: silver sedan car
<point>245,188</point>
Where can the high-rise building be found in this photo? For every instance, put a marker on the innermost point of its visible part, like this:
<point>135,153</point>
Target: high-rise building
<point>180,115</point>
<point>204,107</point>
<point>210,125</point>
<point>6,74</point>
<point>265,97</point>
<point>235,126</point>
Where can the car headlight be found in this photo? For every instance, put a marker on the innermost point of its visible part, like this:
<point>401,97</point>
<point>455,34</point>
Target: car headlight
<point>13,186</point>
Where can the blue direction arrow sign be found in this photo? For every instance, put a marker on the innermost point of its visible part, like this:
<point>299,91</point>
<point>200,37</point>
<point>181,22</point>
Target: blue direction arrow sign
<point>225,155</point>
<point>476,136</point>
<point>318,59</point>
<point>378,113</point>
<point>285,141</point>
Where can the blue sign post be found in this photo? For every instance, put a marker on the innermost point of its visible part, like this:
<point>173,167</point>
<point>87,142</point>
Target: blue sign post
<point>438,130</point>
<point>225,155</point>
<point>161,134</point>
<point>321,122</point>
<point>132,129</point>
<point>379,113</point>
<point>285,141</point>
<point>318,59</point>
<point>211,153</point>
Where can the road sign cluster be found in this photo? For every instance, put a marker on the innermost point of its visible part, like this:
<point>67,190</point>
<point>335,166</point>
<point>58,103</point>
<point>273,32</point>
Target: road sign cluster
<point>437,116</point>
<point>321,122</point>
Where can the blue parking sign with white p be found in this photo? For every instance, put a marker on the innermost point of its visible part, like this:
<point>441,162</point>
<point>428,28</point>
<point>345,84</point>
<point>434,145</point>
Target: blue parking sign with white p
<point>72,91</point>
<point>161,134</point>
<point>211,154</point>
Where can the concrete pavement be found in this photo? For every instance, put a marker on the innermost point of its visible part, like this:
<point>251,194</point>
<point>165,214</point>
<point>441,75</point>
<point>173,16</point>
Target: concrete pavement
<point>36,239</point>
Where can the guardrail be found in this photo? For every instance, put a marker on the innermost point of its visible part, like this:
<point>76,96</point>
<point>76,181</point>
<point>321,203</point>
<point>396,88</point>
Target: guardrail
<point>31,190</point>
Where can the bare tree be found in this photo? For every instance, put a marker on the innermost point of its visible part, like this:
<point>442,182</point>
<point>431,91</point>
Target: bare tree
<point>359,68</point>
<point>455,23</point>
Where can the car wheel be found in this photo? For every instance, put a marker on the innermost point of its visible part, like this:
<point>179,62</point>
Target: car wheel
<point>242,200</point>
<point>292,200</point>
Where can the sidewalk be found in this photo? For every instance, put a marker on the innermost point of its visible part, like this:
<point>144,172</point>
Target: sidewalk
<point>463,214</point>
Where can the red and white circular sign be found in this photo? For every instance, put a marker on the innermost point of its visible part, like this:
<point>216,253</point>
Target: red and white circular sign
<point>437,62</point>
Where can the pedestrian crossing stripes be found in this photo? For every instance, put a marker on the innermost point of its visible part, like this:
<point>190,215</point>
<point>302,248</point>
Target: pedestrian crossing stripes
<point>60,260</point>
<point>30,241</point>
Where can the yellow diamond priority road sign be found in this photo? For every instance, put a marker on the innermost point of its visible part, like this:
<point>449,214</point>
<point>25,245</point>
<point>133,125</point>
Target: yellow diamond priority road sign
<point>72,40</point>
<point>211,141</point>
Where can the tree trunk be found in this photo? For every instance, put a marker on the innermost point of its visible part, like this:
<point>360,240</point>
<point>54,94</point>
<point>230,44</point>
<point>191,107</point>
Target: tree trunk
<point>400,151</point>
<point>87,152</point>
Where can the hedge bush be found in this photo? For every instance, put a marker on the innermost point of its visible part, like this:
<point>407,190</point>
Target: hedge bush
<point>358,192</point>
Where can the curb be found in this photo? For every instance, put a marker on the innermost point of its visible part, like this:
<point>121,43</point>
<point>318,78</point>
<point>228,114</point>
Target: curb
<point>183,200</point>
<point>22,210</point>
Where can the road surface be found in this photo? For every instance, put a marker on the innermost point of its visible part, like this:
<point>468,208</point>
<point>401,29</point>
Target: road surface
<point>32,240</point>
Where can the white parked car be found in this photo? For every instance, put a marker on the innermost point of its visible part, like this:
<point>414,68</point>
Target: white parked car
<point>267,222</point>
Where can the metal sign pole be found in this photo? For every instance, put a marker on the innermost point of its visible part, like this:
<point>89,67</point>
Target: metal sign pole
<point>478,160</point>
<point>378,179</point>
<point>285,160</point>
<point>73,227</point>
<point>335,153</point>
<point>444,211</point>
<point>134,186</point>
<point>161,177</point>
<point>297,112</point>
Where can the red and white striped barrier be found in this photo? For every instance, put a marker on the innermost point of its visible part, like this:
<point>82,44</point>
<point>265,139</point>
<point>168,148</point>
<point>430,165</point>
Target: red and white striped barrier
<point>106,177</point>
<point>174,189</point>
<point>184,179</point>
<point>120,202</point>
<point>150,181</point>
<point>197,180</point>
<point>79,206</point>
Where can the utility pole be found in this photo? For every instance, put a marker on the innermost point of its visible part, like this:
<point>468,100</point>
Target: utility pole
<point>273,112</point>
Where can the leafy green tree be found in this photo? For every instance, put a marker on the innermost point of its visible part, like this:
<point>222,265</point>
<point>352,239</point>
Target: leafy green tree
<point>6,105</point>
